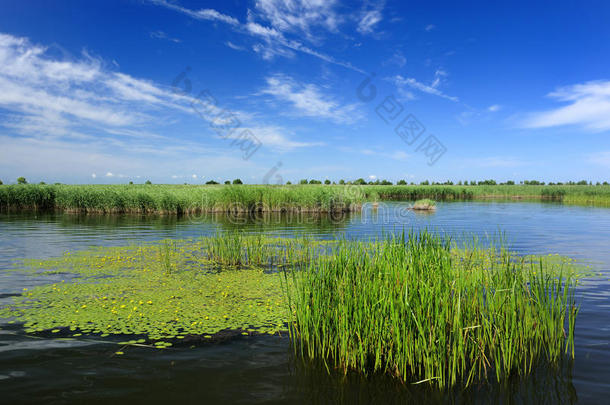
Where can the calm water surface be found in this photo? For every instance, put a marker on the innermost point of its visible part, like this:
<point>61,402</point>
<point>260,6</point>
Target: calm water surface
<point>262,369</point>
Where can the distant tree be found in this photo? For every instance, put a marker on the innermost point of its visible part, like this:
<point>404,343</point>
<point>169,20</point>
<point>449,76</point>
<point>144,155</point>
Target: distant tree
<point>42,183</point>
<point>211,182</point>
<point>424,183</point>
<point>401,183</point>
<point>238,181</point>
<point>148,182</point>
<point>341,181</point>
<point>303,181</point>
<point>131,182</point>
<point>448,183</point>
<point>227,182</point>
<point>459,183</point>
<point>359,181</point>
<point>57,184</point>
<point>326,181</point>
<point>386,183</point>
<point>605,183</point>
<point>312,181</point>
<point>21,180</point>
<point>1,183</point>
<point>510,183</point>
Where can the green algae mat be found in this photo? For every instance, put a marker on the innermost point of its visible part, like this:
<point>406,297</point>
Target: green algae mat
<point>161,291</point>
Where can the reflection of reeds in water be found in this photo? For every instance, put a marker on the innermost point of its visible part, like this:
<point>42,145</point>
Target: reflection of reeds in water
<point>416,308</point>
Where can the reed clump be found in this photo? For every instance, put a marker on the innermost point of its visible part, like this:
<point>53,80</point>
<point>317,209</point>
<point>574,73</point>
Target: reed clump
<point>425,312</point>
<point>424,205</point>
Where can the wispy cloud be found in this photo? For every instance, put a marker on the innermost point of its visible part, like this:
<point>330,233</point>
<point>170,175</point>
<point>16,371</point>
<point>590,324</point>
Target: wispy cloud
<point>275,43</point>
<point>430,27</point>
<point>432,88</point>
<point>69,114</point>
<point>278,138</point>
<point>308,100</point>
<point>494,108</point>
<point>588,106</point>
<point>163,35</point>
<point>369,20</point>
<point>202,14</point>
<point>299,16</point>
<point>236,47</point>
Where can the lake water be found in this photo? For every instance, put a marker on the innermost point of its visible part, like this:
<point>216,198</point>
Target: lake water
<point>262,369</point>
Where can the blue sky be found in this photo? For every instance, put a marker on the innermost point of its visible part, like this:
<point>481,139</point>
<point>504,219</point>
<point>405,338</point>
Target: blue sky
<point>184,91</point>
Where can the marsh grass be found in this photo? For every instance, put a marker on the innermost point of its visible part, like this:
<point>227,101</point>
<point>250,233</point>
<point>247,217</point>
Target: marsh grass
<point>424,205</point>
<point>424,312</point>
<point>190,199</point>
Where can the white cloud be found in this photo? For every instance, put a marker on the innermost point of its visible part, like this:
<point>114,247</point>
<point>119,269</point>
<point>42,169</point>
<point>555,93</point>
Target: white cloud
<point>163,35</point>
<point>66,97</point>
<point>588,106</point>
<point>372,177</point>
<point>194,176</point>
<point>494,108</point>
<point>397,155</point>
<point>61,116</point>
<point>410,82</point>
<point>397,59</point>
<point>236,47</point>
<point>308,99</point>
<point>203,14</point>
<point>109,174</point>
<point>276,138</point>
<point>94,175</point>
<point>275,42</point>
<point>299,16</point>
<point>369,20</point>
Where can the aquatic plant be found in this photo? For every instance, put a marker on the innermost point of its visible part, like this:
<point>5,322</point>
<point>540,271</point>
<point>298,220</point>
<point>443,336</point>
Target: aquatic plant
<point>419,309</point>
<point>424,205</point>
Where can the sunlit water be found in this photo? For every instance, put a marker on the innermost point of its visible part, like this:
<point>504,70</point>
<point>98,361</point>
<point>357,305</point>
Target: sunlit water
<point>262,369</point>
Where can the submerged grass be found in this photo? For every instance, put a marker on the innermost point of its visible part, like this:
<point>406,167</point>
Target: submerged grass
<point>415,306</point>
<point>185,199</point>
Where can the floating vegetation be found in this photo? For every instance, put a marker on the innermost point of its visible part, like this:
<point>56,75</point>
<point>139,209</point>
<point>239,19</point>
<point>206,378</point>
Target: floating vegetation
<point>414,306</point>
<point>417,308</point>
<point>161,291</point>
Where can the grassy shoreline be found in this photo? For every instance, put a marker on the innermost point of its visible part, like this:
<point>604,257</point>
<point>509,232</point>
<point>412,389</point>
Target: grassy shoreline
<point>185,199</point>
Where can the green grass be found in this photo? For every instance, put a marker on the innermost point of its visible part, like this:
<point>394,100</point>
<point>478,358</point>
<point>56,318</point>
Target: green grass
<point>423,311</point>
<point>415,306</point>
<point>424,204</point>
<point>185,199</point>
